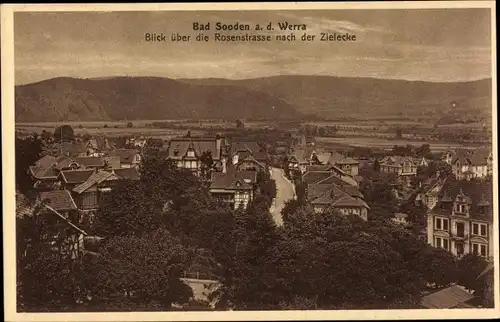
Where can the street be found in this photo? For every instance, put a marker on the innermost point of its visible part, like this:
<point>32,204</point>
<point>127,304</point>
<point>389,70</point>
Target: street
<point>285,192</point>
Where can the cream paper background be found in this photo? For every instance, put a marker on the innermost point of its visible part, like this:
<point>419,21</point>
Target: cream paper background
<point>8,173</point>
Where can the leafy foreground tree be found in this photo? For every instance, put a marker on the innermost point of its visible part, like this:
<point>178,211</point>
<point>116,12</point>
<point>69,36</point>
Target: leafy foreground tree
<point>139,273</point>
<point>324,261</point>
<point>243,264</point>
<point>469,268</point>
<point>28,151</point>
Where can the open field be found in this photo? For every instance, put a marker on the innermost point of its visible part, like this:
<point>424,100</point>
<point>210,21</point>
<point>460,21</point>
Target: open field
<point>388,144</point>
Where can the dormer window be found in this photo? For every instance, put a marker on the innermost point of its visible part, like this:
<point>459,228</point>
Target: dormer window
<point>190,154</point>
<point>176,152</point>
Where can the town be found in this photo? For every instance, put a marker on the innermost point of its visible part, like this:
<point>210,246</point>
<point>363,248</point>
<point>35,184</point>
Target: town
<point>247,220</point>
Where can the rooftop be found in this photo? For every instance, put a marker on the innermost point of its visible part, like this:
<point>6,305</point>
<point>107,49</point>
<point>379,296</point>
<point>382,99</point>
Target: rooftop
<point>59,200</point>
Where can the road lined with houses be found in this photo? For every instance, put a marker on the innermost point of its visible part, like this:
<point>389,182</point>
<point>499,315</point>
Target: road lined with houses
<point>284,192</point>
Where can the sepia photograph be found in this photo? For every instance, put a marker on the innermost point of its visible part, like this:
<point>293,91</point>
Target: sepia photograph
<point>329,158</point>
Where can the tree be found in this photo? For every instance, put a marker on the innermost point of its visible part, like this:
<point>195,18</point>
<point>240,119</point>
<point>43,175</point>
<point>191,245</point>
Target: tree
<point>28,151</point>
<point>469,268</point>
<point>437,266</point>
<point>207,164</point>
<point>424,151</point>
<point>130,125</point>
<point>64,133</point>
<point>333,261</point>
<point>239,124</point>
<point>266,185</point>
<point>145,269</point>
<point>244,267</point>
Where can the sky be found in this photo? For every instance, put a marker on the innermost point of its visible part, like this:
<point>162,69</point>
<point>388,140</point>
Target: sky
<point>440,45</point>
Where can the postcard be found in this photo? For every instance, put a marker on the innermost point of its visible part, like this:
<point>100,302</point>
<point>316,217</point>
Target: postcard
<point>240,161</point>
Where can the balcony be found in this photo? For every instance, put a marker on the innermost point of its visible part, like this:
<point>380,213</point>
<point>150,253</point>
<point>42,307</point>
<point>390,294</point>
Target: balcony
<point>461,237</point>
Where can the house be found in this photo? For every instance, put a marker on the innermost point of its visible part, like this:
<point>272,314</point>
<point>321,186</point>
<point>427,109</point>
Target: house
<point>234,187</point>
<point>46,170</point>
<point>59,217</point>
<point>324,171</point>
<point>90,162</point>
<point>187,152</point>
<point>346,164</point>
<point>69,179</point>
<point>89,194</point>
<point>249,163</point>
<point>346,201</point>
<point>469,164</point>
<point>428,194</point>
<point>462,219</point>
<point>451,297</point>
<point>242,150</point>
<point>403,167</point>
<point>99,146</point>
<point>129,158</point>
<point>300,158</point>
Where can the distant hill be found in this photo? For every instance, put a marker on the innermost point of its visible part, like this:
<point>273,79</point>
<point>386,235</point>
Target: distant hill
<point>334,97</point>
<point>130,98</point>
<point>293,97</point>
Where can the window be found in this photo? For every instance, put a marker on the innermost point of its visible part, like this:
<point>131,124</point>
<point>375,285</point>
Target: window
<point>442,243</point>
<point>190,154</point>
<point>480,229</point>
<point>441,223</point>
<point>460,229</point>
<point>446,244</point>
<point>459,247</point>
<point>480,249</point>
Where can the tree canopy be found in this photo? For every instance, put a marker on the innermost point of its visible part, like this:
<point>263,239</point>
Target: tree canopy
<point>64,133</point>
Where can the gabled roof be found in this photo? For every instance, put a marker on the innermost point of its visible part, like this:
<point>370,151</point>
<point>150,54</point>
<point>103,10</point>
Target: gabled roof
<point>43,172</point>
<point>397,160</point>
<point>127,173</point>
<point>333,179</point>
<point>251,159</point>
<point>59,200</point>
<point>63,162</point>
<point>302,155</point>
<point>90,162</point>
<point>100,143</point>
<point>475,191</point>
<point>125,155</point>
<point>251,147</point>
<point>178,147</point>
<point>76,176</point>
<point>95,178</point>
<point>447,298</point>
<point>317,190</point>
<point>475,157</point>
<point>233,180</point>
<point>336,197</point>
<point>323,157</point>
<point>321,167</point>
<point>311,177</point>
